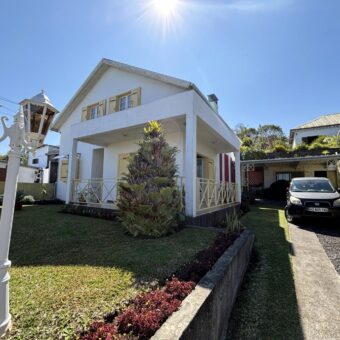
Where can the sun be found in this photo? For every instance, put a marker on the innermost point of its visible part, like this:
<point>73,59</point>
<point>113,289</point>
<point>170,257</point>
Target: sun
<point>165,8</point>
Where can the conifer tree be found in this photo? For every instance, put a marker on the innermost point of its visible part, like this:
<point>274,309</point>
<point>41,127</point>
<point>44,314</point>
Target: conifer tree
<point>149,199</point>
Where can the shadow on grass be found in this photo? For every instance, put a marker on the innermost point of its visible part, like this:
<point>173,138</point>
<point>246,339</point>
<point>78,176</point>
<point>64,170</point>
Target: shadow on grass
<point>43,236</point>
<point>266,307</point>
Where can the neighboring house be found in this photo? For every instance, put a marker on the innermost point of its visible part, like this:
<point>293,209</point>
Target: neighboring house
<point>27,174</point>
<point>44,159</point>
<point>300,163</point>
<point>326,125</point>
<point>104,120</point>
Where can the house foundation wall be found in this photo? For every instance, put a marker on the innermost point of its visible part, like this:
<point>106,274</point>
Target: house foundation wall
<point>212,219</point>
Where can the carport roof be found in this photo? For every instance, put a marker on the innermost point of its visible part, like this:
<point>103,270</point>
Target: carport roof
<point>290,160</point>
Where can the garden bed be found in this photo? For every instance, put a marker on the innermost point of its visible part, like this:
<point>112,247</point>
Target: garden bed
<point>145,314</point>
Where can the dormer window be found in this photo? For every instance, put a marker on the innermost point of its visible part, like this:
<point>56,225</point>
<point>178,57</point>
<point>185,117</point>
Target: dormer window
<point>125,102</point>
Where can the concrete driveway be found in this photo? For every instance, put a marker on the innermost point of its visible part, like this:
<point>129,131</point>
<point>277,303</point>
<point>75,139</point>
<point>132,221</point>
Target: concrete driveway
<point>316,252</point>
<point>328,233</point>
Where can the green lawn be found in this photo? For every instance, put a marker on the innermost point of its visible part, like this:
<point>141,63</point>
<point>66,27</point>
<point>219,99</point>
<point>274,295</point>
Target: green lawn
<point>67,269</point>
<point>267,307</point>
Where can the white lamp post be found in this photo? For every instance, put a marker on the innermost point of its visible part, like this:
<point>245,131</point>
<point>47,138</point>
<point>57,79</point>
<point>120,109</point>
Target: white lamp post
<point>27,132</point>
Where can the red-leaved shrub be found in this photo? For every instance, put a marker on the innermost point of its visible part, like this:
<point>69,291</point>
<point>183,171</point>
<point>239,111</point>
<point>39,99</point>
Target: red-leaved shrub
<point>150,310</point>
<point>179,289</point>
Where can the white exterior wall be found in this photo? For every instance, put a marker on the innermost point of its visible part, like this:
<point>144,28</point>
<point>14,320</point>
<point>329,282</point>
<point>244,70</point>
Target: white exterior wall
<point>26,175</point>
<point>113,82</point>
<point>39,154</point>
<point>326,131</point>
<point>112,152</point>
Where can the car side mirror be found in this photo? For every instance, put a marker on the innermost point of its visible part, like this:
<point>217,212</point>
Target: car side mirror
<point>338,190</point>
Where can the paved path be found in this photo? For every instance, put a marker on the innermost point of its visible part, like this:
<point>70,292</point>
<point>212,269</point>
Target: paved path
<point>317,286</point>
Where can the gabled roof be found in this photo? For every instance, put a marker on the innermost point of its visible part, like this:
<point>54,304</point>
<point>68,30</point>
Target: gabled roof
<point>325,120</point>
<point>105,64</point>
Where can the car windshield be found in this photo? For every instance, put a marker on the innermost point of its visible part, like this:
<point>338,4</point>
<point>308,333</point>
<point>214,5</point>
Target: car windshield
<point>310,185</point>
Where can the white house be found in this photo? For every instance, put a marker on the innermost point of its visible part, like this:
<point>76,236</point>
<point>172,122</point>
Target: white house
<point>44,160</point>
<point>326,125</point>
<point>104,120</point>
<point>26,174</point>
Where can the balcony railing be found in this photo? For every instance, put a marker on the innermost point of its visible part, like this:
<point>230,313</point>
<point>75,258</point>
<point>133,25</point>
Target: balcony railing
<point>212,194</point>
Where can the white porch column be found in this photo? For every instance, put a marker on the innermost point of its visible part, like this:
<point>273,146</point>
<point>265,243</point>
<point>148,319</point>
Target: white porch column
<point>190,164</point>
<point>72,163</point>
<point>238,176</point>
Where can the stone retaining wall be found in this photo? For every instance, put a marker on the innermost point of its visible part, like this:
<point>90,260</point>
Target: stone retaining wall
<point>204,314</point>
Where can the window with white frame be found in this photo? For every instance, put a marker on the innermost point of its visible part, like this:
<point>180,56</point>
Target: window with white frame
<point>125,102</point>
<point>94,111</point>
<point>287,176</point>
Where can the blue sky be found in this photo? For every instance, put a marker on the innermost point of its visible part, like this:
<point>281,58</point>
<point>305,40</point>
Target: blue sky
<point>268,61</point>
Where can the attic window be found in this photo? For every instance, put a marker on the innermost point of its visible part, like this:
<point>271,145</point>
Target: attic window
<point>125,102</point>
<point>94,111</point>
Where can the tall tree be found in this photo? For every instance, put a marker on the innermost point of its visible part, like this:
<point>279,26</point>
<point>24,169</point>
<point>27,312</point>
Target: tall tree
<point>149,199</point>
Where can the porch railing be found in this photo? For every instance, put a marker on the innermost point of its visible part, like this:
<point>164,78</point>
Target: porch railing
<point>97,191</point>
<point>211,193</point>
<point>104,192</point>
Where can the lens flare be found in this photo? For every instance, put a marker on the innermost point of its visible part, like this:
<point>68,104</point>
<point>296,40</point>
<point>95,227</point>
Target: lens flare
<point>165,8</point>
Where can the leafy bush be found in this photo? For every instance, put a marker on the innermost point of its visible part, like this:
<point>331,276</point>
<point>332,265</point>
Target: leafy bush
<point>315,145</point>
<point>145,315</point>
<point>247,141</point>
<point>301,146</point>
<point>205,259</point>
<point>19,196</point>
<point>149,199</point>
<point>28,199</point>
<point>232,223</point>
<point>248,153</point>
<point>281,148</point>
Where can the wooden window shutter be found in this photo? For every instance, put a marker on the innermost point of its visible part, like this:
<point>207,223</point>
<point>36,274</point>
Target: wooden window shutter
<point>102,108</point>
<point>77,168</point>
<point>84,113</point>
<point>113,104</point>
<point>136,97</point>
<point>64,170</point>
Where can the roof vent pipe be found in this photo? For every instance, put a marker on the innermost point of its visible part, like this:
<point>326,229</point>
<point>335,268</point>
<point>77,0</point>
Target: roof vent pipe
<point>213,100</point>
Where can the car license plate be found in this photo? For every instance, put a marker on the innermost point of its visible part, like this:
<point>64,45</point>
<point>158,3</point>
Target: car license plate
<point>317,209</point>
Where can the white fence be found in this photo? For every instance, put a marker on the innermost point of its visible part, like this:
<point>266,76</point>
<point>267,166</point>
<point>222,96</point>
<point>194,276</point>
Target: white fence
<point>212,194</point>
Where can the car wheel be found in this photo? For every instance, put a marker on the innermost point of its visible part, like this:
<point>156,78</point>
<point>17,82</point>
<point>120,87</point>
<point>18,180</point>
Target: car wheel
<point>289,217</point>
